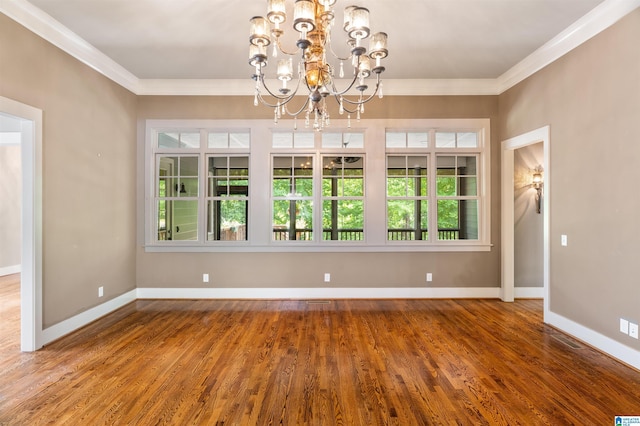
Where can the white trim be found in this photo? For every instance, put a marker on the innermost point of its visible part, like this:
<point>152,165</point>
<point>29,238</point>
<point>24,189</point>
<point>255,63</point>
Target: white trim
<point>42,24</point>
<point>246,87</point>
<point>260,187</point>
<point>600,18</point>
<point>74,323</point>
<point>507,215</point>
<point>10,138</point>
<point>313,247</point>
<point>320,293</point>
<point>603,343</point>
<point>529,292</point>
<point>31,268</point>
<point>597,20</point>
<point>10,270</point>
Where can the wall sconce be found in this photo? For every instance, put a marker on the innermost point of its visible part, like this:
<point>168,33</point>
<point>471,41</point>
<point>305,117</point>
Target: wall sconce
<point>537,183</point>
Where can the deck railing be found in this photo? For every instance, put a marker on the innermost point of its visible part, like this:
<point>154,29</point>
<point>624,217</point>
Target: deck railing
<point>358,234</point>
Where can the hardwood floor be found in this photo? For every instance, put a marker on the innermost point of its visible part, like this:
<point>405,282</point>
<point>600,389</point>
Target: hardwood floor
<point>344,362</point>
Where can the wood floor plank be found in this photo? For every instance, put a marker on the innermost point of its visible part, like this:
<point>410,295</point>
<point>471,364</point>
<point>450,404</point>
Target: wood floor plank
<point>289,362</point>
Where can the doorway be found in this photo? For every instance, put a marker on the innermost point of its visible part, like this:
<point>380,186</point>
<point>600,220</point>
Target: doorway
<point>541,135</point>
<point>29,122</point>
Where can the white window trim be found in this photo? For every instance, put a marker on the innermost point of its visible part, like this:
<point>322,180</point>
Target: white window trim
<point>259,219</point>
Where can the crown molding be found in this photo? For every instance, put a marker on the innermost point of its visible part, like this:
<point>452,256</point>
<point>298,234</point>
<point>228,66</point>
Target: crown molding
<point>597,20</point>
<point>40,23</point>
<point>246,87</point>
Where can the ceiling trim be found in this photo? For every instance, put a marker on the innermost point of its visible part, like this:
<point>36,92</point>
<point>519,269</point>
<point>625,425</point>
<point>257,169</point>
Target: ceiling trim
<point>246,87</point>
<point>597,20</point>
<point>42,24</point>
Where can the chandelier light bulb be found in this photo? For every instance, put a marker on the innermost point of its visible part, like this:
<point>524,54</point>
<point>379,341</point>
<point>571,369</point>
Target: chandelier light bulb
<point>378,46</point>
<point>276,12</point>
<point>304,16</point>
<point>259,31</point>
<point>359,28</point>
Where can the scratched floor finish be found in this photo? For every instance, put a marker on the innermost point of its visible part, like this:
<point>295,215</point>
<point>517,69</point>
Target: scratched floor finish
<point>339,362</point>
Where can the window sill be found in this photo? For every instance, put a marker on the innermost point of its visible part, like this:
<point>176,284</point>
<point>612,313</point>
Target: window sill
<point>319,248</point>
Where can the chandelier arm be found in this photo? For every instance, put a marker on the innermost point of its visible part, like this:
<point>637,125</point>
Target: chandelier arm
<point>364,101</point>
<point>286,98</point>
<point>302,108</point>
<point>330,44</point>
<point>279,45</point>
<point>265,103</point>
<point>338,92</point>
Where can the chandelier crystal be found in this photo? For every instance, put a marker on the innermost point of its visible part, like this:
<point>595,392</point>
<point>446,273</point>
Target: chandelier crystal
<point>314,20</point>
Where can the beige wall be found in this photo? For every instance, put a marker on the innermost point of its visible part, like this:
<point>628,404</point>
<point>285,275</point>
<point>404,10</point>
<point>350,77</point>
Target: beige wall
<point>591,100</point>
<point>528,224</point>
<point>89,171</point>
<point>10,199</point>
<point>479,269</point>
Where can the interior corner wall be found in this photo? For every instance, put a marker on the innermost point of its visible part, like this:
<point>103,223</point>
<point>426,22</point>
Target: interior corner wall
<point>528,223</point>
<point>305,270</point>
<point>88,176</point>
<point>590,98</point>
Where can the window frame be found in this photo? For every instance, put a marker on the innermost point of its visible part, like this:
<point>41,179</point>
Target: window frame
<point>375,199</point>
<point>154,153</point>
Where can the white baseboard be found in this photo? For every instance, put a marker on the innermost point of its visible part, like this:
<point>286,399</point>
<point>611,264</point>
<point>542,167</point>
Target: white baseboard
<point>319,293</point>
<point>529,292</point>
<point>10,270</point>
<point>605,344</point>
<point>74,323</point>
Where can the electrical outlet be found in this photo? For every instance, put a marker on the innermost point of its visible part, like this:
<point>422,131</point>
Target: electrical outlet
<point>564,240</point>
<point>100,291</point>
<point>624,326</point>
<point>205,278</point>
<point>633,330</point>
<point>327,277</point>
<point>429,277</point>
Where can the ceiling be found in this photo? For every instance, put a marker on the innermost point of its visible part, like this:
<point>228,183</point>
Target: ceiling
<point>208,39</point>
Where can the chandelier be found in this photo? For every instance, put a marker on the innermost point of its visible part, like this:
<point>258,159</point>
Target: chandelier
<point>314,20</point>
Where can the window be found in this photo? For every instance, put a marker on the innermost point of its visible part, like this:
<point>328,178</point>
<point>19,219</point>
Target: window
<point>457,197</point>
<point>343,198</point>
<point>451,164</point>
<point>407,201</point>
<point>186,214</point>
<point>379,185</point>
<point>178,198</point>
<point>227,198</point>
<point>292,194</point>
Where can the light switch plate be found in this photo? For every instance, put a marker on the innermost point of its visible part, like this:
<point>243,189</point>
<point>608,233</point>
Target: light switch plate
<point>624,326</point>
<point>633,330</point>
